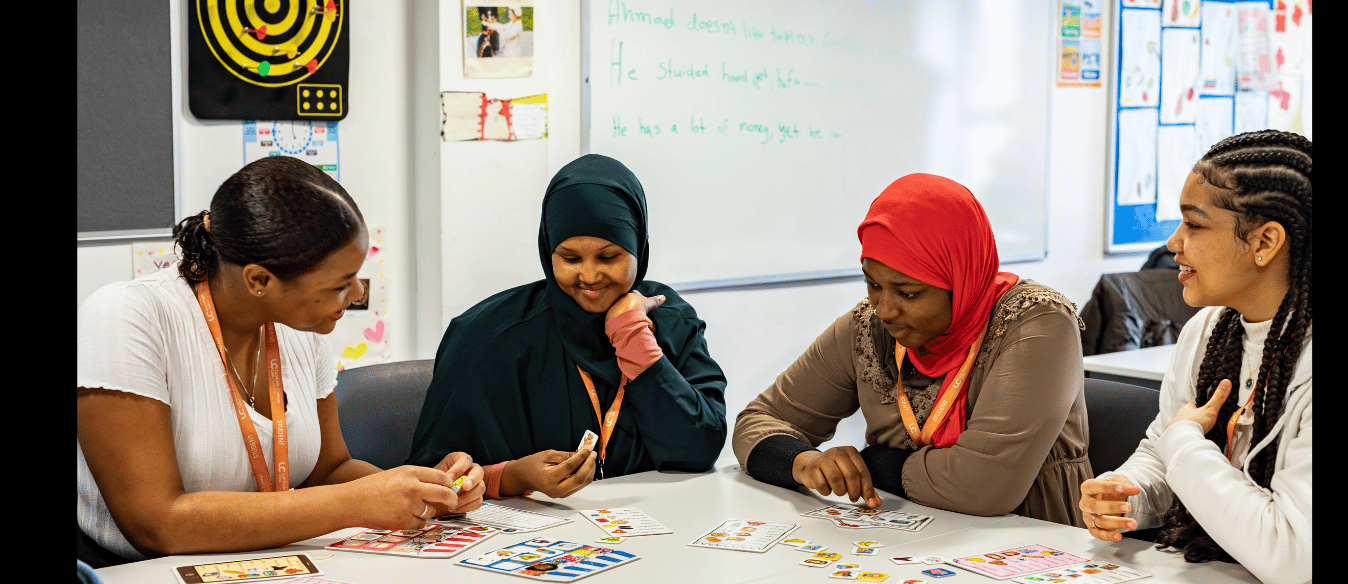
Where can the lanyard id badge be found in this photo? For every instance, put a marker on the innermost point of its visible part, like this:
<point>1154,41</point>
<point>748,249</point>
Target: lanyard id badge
<point>922,437</point>
<point>280,449</point>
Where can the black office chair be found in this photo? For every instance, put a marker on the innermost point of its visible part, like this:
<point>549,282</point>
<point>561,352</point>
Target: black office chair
<point>1118,415</point>
<point>379,405</point>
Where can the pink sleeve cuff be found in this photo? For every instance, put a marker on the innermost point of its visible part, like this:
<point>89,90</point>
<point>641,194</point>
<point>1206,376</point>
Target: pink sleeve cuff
<point>630,333</point>
<point>492,474</point>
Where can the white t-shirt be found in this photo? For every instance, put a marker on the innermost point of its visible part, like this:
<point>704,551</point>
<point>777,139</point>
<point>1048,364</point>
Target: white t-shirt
<point>148,337</point>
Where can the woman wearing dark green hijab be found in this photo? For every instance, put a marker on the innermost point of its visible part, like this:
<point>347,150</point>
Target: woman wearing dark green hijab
<point>522,375</point>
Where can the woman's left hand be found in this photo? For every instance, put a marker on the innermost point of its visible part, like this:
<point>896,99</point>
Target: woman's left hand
<point>633,300</point>
<point>1206,416</point>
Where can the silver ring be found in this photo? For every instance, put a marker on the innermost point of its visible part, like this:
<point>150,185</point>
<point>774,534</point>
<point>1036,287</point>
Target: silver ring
<point>426,507</point>
<point>1092,521</point>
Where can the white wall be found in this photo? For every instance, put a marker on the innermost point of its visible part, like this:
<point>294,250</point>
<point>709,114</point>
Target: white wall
<point>424,191</point>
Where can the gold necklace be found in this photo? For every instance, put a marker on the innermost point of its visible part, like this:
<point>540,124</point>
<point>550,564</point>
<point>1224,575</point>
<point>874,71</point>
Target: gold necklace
<point>255,359</point>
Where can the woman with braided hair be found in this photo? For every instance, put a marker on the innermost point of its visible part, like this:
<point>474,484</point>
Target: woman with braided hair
<point>1225,469</point>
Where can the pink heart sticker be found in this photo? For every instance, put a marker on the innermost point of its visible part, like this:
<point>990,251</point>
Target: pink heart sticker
<point>376,333</point>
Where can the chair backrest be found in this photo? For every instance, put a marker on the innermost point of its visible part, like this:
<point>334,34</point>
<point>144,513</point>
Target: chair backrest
<point>379,406</point>
<point>1134,310</point>
<point>1118,415</point>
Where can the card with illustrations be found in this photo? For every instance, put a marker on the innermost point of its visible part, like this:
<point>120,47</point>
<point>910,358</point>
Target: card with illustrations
<point>550,560</point>
<point>506,519</point>
<point>1088,573</point>
<point>625,521</point>
<point>744,535</point>
<point>433,541</point>
<point>1017,561</point>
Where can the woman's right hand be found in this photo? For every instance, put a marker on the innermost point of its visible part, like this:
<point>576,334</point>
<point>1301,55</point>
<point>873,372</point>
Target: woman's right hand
<point>392,499</point>
<point>838,471</point>
<point>555,473</point>
<point>1103,503</point>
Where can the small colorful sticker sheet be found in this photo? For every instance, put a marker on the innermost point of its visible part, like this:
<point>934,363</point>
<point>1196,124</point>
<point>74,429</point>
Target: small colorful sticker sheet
<point>1017,561</point>
<point>550,560</point>
<point>433,541</point>
<point>857,517</point>
<point>1088,573</point>
<point>744,535</point>
<point>506,519</point>
<point>625,521</point>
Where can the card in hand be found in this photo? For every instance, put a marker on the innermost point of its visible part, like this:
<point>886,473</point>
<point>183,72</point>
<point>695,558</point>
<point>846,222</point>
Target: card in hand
<point>588,441</point>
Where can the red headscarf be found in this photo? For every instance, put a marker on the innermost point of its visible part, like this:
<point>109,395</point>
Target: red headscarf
<point>933,229</point>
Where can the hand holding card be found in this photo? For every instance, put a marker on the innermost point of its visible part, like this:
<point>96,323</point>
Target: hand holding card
<point>588,441</point>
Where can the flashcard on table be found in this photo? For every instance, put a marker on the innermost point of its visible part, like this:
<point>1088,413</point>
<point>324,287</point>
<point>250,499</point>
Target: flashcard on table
<point>588,440</point>
<point>744,535</point>
<point>611,539</point>
<point>797,542</point>
<point>1088,573</point>
<point>855,517</point>
<point>865,551</point>
<point>625,521</point>
<point>821,559</point>
<point>1017,561</point>
<point>506,519</point>
<point>903,560</point>
<point>436,540</point>
<point>260,569</point>
<point>938,572</point>
<point>550,560</point>
<point>844,574</point>
<point>872,577</point>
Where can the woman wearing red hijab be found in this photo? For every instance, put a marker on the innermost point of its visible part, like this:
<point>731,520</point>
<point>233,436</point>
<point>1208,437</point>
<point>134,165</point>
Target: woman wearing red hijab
<point>982,411</point>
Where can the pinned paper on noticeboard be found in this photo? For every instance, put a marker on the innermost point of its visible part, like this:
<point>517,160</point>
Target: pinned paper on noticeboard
<point>471,115</point>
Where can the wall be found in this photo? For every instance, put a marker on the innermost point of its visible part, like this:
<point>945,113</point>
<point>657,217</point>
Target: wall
<point>425,190</point>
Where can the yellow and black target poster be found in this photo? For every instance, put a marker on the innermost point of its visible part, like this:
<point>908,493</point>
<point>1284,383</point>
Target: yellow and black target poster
<point>268,59</point>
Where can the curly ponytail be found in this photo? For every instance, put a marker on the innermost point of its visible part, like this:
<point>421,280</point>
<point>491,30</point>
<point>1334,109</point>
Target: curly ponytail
<point>194,245</point>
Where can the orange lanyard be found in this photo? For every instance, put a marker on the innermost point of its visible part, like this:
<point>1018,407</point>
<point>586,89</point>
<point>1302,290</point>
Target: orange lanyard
<point>938,413</point>
<point>609,419</point>
<point>280,452</point>
<point>1231,424</point>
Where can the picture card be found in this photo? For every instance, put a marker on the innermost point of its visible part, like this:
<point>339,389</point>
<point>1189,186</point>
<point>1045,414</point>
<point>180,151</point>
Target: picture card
<point>625,521</point>
<point>1017,561</point>
<point>550,560</point>
<point>256,570</point>
<point>436,540</point>
<point>856,517</point>
<point>744,535</point>
<point>1088,573</point>
<point>506,519</point>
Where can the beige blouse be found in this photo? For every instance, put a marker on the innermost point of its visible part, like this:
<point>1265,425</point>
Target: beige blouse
<point>1023,449</point>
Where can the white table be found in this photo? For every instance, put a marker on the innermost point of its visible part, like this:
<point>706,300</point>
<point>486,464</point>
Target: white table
<point>1145,367</point>
<point>692,504</point>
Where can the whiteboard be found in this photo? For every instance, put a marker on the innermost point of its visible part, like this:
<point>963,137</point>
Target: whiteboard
<point>761,131</point>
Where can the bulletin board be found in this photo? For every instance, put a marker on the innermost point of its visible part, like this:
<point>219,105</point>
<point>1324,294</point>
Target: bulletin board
<point>1186,75</point>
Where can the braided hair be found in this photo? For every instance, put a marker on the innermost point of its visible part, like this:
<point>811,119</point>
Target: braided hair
<point>279,212</point>
<point>1266,176</point>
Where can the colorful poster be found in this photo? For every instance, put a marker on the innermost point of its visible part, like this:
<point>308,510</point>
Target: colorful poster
<point>1140,58</point>
<point>310,141</point>
<point>362,335</point>
<point>1078,45</point>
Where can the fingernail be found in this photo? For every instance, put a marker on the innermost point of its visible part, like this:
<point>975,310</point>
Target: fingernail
<point>1118,488</point>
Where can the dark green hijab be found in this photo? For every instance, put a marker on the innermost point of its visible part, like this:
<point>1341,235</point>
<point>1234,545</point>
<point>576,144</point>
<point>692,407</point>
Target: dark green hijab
<point>506,384</point>
<point>593,196</point>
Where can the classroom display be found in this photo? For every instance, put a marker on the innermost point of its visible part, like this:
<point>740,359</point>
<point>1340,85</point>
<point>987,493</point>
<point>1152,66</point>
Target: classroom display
<point>781,114</point>
<point>1186,75</point>
<point>550,560</point>
<point>273,60</point>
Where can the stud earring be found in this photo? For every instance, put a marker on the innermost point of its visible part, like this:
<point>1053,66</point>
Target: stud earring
<point>259,292</point>
<point>1258,259</point>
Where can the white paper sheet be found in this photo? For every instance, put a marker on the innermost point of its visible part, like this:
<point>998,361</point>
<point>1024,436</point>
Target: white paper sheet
<point>1174,160</point>
<point>1251,111</point>
<point>1221,48</point>
<point>1181,13</point>
<point>1137,157</point>
<point>1140,70</point>
<point>1179,75</point>
<point>1214,123</point>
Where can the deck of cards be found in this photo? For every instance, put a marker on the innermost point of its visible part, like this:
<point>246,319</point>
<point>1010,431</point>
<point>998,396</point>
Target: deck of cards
<point>854,517</point>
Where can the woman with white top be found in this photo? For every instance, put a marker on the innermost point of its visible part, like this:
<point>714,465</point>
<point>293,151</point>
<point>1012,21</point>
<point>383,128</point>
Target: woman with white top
<point>510,33</point>
<point>1225,469</point>
<point>206,416</point>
